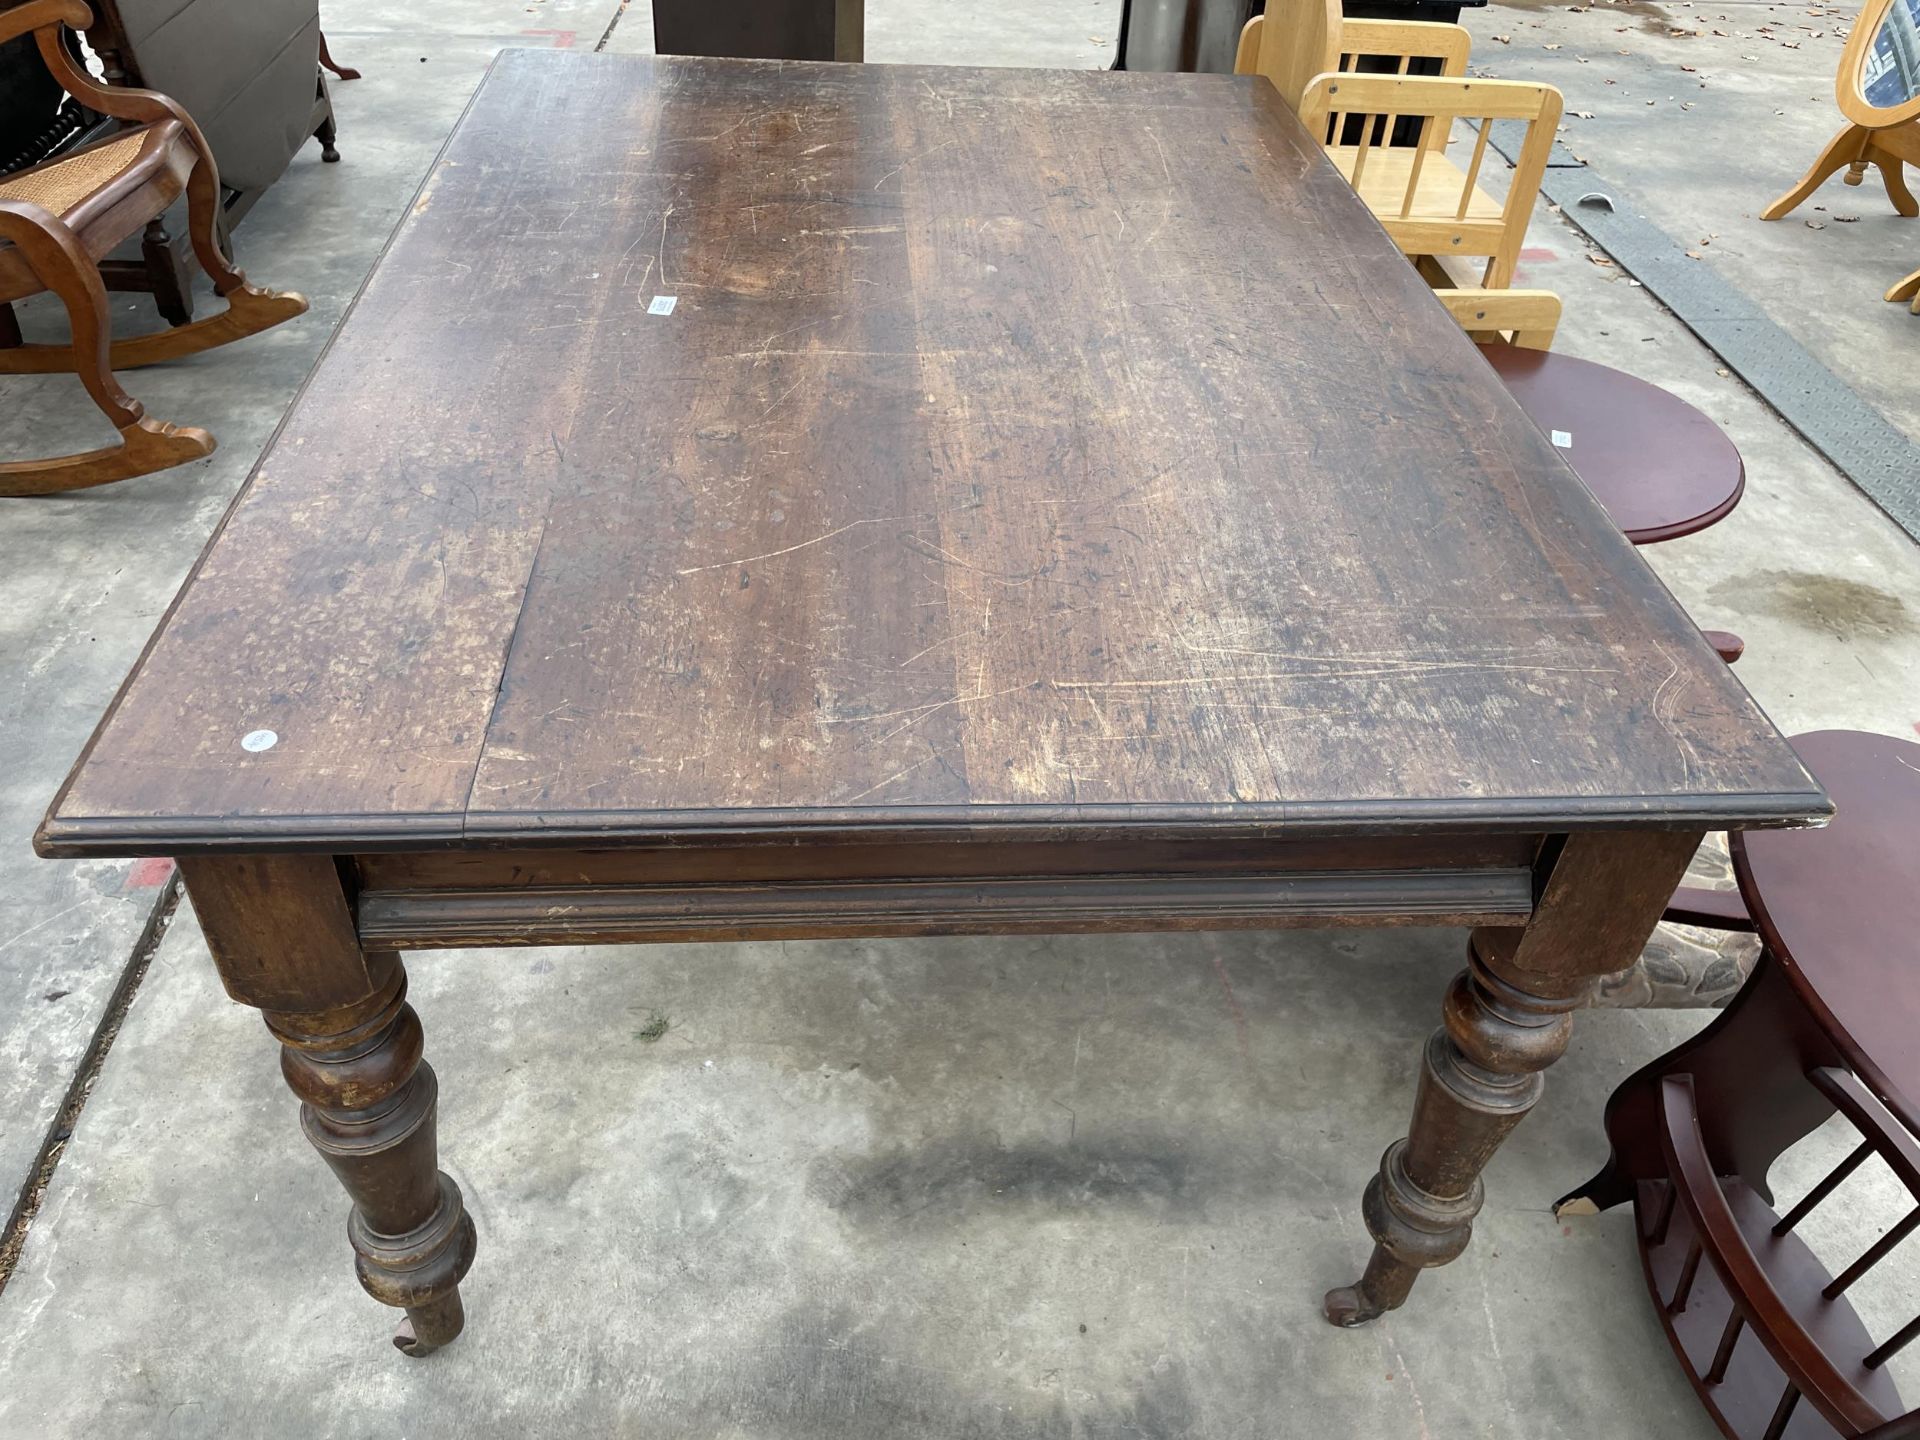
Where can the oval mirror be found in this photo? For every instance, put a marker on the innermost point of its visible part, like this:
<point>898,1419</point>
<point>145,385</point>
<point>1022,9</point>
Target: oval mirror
<point>1890,74</point>
<point>1882,85</point>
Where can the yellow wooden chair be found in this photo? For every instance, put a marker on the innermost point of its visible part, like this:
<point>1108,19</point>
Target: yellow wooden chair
<point>1297,40</point>
<point>1526,318</point>
<point>1428,203</point>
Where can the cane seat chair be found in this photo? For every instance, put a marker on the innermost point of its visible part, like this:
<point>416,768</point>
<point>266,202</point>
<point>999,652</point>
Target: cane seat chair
<point>60,218</point>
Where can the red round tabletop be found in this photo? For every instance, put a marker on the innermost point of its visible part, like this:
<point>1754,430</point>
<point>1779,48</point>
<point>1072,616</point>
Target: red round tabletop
<point>1840,907</point>
<point>1660,467</point>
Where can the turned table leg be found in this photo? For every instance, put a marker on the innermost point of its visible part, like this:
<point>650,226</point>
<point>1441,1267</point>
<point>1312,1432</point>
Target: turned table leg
<point>1506,1018</point>
<point>281,931</point>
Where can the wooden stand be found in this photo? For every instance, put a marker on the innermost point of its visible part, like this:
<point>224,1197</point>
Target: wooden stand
<point>1884,135</point>
<point>1908,289</point>
<point>1855,148</point>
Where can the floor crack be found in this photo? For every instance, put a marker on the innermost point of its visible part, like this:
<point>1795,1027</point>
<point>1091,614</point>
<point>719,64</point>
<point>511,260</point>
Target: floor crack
<point>13,1238</point>
<point>612,24</point>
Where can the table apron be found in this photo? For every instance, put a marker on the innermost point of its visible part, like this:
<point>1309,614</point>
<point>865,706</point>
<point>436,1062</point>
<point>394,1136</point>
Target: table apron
<point>599,914</point>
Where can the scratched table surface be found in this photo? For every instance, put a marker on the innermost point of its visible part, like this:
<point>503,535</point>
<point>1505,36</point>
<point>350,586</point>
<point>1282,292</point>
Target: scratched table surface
<point>726,444</point>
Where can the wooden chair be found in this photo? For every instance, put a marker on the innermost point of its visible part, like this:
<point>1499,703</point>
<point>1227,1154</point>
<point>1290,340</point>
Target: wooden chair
<point>1427,203</point>
<point>1311,37</point>
<point>1763,1330</point>
<point>1297,40</point>
<point>1527,319</point>
<point>56,222</point>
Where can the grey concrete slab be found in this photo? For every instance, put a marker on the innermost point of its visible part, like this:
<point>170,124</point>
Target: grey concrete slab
<point>84,578</point>
<point>1706,148</point>
<point>1077,1187</point>
<point>566,24</point>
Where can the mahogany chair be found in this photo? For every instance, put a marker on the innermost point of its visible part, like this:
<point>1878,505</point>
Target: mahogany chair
<point>1762,1328</point>
<point>57,221</point>
<point>327,62</point>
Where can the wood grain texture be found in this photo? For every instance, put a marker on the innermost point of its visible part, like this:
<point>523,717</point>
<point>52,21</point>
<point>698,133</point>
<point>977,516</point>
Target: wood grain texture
<point>280,928</point>
<point>1024,449</point>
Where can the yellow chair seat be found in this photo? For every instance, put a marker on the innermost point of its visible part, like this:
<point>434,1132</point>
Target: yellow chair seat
<point>1383,183</point>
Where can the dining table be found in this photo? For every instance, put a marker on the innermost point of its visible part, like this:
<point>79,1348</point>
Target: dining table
<point>797,500</point>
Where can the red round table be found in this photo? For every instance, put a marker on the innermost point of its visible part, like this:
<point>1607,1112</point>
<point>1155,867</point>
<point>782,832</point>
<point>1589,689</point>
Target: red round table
<point>1660,467</point>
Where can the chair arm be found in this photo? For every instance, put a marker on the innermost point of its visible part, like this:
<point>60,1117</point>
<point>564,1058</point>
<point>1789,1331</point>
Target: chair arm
<point>1530,316</point>
<point>142,107</point>
<point>1793,1349</point>
<point>41,15</point>
<point>1727,645</point>
<point>1246,57</point>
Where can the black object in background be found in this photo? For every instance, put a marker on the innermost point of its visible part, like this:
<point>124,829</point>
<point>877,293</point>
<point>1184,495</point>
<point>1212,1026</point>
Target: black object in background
<point>761,29</point>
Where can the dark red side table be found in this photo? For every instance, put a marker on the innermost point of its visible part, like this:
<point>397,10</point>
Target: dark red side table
<point>1661,468</point>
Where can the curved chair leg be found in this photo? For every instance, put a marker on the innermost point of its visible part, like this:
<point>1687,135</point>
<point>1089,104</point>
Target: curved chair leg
<point>145,445</point>
<point>1843,150</point>
<point>1908,289</point>
<point>250,309</point>
<point>1749,1068</point>
<point>327,62</point>
<point>1893,175</point>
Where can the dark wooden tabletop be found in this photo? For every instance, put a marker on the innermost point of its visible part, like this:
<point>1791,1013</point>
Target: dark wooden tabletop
<point>1023,448</point>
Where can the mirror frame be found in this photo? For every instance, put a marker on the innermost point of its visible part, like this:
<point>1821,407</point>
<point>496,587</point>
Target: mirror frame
<point>1846,84</point>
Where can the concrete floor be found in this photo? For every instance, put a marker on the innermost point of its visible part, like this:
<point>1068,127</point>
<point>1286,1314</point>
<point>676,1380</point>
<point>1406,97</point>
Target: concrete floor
<point>1078,1187</point>
<point>1708,112</point>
